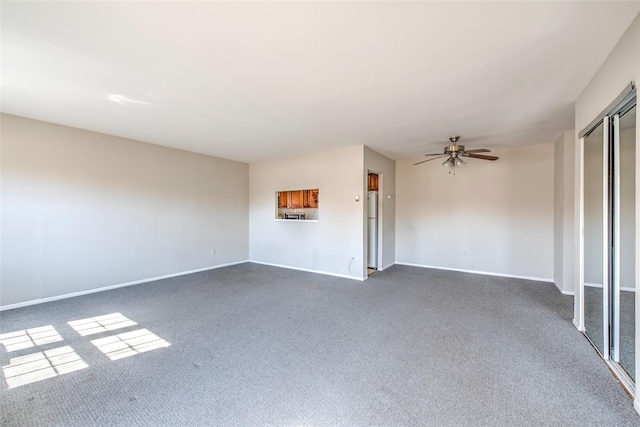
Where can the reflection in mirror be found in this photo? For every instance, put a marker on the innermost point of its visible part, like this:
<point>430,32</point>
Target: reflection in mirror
<point>627,241</point>
<point>593,247</point>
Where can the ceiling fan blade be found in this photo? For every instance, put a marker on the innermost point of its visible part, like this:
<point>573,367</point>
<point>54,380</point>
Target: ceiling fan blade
<point>481,156</point>
<point>435,154</point>
<point>479,150</point>
<point>433,158</point>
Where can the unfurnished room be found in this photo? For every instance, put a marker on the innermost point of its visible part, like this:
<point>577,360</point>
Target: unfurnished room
<point>319,213</point>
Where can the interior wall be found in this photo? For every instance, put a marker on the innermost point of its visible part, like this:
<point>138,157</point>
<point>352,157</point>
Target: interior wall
<point>564,152</point>
<point>568,284</point>
<point>386,168</point>
<point>493,217</point>
<point>83,210</point>
<point>333,244</point>
<point>558,210</point>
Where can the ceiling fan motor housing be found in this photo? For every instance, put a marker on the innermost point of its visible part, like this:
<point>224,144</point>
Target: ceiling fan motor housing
<point>453,149</point>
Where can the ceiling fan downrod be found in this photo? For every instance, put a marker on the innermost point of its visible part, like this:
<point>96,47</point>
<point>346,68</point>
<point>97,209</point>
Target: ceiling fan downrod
<point>454,148</point>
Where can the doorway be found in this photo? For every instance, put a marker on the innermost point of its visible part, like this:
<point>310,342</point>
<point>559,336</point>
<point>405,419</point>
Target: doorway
<point>609,237</point>
<point>374,222</point>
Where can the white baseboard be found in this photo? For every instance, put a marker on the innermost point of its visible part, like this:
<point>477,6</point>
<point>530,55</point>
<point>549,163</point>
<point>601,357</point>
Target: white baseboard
<point>308,270</point>
<point>386,266</point>
<point>577,325</point>
<point>485,273</point>
<point>108,288</point>
<point>636,405</point>
<point>563,292</point>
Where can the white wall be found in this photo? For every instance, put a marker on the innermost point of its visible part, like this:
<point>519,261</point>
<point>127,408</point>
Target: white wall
<point>494,217</point>
<point>564,154</point>
<point>568,281</point>
<point>386,170</point>
<point>334,244</point>
<point>83,210</point>
<point>558,210</point>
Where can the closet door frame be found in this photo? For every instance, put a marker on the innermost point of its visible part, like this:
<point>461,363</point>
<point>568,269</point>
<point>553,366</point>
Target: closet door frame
<point>610,121</point>
<point>615,259</point>
<point>606,241</point>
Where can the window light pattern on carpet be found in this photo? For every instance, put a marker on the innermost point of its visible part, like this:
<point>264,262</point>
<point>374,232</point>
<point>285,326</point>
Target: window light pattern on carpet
<point>29,368</point>
<point>28,338</point>
<point>129,344</point>
<point>96,325</point>
<point>42,365</point>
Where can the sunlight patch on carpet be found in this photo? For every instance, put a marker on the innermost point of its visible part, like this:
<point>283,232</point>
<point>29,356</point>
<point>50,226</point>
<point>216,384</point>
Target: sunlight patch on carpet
<point>42,365</point>
<point>28,338</point>
<point>98,324</point>
<point>129,344</point>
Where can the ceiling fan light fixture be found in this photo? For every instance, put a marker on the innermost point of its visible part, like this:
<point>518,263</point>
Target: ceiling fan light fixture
<point>448,163</point>
<point>459,162</point>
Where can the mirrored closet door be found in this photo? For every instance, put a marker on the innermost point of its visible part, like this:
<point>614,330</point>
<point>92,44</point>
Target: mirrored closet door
<point>594,262</point>
<point>609,220</point>
<point>624,128</point>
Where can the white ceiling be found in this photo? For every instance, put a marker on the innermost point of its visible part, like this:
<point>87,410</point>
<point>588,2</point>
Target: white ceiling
<point>258,81</point>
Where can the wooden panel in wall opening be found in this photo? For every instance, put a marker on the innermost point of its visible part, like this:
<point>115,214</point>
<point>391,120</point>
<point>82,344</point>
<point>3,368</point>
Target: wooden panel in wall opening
<point>283,199</point>
<point>305,198</point>
<point>313,198</point>
<point>295,199</point>
<point>373,182</point>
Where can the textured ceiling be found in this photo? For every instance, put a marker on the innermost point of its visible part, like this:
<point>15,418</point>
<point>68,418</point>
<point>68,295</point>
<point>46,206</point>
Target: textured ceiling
<point>258,81</point>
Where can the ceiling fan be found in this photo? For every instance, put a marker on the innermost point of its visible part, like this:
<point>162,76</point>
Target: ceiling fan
<point>454,153</point>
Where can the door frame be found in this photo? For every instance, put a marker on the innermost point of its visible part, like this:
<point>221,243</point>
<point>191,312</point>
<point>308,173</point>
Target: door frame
<point>607,118</point>
<point>380,245</point>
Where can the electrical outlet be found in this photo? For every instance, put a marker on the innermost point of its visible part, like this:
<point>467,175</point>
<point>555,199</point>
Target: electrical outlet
<point>213,251</point>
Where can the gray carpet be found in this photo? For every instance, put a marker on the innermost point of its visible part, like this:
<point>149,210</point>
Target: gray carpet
<point>593,316</point>
<point>259,346</point>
